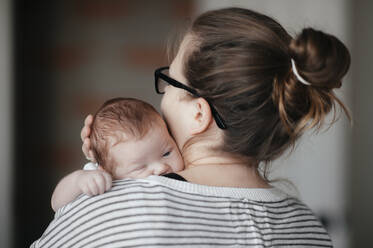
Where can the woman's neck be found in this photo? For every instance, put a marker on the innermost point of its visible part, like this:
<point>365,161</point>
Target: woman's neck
<point>203,166</point>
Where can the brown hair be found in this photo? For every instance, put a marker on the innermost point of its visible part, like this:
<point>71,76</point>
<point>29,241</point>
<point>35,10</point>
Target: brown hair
<point>240,61</point>
<point>119,119</point>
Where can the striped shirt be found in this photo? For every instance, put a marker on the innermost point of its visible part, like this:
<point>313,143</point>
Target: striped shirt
<point>163,212</point>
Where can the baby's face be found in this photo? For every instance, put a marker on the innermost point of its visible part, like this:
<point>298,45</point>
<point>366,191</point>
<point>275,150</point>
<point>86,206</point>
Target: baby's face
<point>155,154</point>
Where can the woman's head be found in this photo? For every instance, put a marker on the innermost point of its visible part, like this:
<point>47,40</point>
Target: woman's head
<point>239,61</point>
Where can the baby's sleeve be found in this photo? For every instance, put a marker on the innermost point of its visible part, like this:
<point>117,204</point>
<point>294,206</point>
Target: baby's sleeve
<point>90,166</point>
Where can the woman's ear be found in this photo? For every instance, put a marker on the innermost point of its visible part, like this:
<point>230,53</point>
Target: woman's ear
<point>202,116</point>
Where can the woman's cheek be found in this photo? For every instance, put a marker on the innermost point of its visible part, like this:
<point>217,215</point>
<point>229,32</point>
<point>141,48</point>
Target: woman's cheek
<point>175,162</point>
<point>125,176</point>
<point>142,174</point>
<point>131,174</point>
<point>167,102</point>
<point>178,158</point>
<point>163,103</point>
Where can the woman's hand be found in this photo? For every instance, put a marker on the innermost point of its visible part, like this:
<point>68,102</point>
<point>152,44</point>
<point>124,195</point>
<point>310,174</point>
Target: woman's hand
<point>84,134</point>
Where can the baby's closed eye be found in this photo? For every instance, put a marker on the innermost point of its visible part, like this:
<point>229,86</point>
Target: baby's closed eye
<point>166,154</point>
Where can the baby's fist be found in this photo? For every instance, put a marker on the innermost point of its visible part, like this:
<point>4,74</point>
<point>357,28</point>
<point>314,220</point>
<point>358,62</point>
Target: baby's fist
<point>94,182</point>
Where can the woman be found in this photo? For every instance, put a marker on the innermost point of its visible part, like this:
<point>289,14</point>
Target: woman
<point>238,93</point>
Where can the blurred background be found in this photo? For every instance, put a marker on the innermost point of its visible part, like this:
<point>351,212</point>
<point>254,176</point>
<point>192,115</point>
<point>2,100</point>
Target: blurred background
<point>59,60</point>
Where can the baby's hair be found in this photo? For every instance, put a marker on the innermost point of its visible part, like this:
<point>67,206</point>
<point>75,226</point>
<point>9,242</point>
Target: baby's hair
<point>118,120</point>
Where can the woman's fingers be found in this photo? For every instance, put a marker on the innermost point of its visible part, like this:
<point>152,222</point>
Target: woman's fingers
<point>86,130</point>
<point>86,148</point>
<point>91,156</point>
<point>84,135</point>
<point>88,120</point>
<point>88,152</point>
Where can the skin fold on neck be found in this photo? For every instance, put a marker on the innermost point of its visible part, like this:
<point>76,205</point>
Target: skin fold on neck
<point>205,166</point>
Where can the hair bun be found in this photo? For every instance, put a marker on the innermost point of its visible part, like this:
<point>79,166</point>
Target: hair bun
<point>321,58</point>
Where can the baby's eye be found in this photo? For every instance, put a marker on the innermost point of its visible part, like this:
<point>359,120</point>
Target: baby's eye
<point>166,154</point>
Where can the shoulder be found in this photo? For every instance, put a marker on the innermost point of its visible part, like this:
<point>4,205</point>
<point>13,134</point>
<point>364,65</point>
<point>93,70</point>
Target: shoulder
<point>122,191</point>
<point>83,217</point>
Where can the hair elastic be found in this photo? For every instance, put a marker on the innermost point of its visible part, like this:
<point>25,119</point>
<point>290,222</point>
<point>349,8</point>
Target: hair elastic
<point>302,80</point>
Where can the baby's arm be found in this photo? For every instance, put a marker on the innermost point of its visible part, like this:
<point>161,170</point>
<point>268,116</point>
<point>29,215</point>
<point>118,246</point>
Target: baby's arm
<point>90,182</point>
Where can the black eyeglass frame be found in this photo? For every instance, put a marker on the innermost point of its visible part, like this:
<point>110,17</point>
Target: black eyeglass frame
<point>159,74</point>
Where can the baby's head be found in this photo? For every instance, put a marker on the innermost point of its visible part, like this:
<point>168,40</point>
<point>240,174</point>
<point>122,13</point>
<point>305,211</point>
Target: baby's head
<point>130,140</point>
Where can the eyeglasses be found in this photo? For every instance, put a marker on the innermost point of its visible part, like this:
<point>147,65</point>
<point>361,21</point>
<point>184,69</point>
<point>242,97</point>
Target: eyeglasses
<point>162,80</point>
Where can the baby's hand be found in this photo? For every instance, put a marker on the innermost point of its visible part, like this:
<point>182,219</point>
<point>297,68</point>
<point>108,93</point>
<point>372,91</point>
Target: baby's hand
<point>94,182</point>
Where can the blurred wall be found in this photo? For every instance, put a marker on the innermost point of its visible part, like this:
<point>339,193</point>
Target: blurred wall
<point>361,169</point>
<point>318,165</point>
<point>71,56</point>
<point>5,124</point>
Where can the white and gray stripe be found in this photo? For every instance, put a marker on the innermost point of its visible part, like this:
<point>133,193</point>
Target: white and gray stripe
<point>163,212</point>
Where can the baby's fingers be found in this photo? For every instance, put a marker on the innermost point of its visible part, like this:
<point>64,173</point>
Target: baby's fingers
<point>86,189</point>
<point>100,183</point>
<point>108,178</point>
<point>93,187</point>
<point>108,181</point>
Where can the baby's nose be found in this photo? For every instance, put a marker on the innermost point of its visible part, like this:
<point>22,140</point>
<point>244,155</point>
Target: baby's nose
<point>159,169</point>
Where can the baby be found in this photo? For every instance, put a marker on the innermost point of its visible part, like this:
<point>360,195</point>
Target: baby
<point>129,140</point>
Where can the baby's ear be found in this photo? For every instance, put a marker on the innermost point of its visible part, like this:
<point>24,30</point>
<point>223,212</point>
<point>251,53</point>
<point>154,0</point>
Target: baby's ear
<point>100,168</point>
